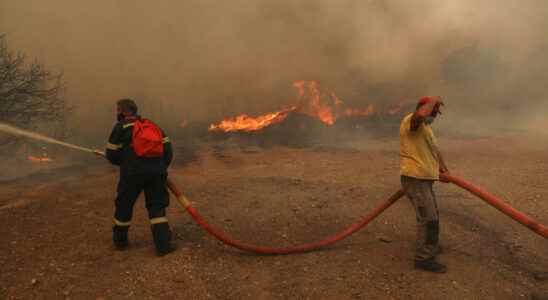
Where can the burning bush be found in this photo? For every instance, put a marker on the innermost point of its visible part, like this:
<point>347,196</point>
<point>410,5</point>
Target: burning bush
<point>30,95</point>
<point>313,102</point>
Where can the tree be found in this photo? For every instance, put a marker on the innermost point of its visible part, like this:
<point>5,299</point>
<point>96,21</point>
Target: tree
<point>30,95</point>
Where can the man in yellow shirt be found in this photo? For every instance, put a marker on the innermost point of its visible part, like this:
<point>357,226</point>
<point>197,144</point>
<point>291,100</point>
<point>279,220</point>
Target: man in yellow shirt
<point>421,163</point>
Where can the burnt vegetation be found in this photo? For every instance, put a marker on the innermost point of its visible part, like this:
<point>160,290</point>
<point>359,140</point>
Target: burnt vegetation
<point>31,96</point>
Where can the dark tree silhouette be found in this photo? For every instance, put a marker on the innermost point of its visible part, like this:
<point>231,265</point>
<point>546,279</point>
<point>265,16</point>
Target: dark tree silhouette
<point>30,95</point>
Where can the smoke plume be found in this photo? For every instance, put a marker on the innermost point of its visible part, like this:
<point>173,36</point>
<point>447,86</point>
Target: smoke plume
<point>206,60</point>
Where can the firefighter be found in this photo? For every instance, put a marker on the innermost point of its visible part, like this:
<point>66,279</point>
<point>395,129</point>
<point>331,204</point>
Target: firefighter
<point>420,164</point>
<point>143,167</point>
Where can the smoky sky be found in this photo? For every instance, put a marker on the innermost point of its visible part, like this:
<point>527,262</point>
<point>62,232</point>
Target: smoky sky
<point>205,59</point>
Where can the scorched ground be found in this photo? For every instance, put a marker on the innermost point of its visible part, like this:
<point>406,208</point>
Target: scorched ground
<point>55,242</point>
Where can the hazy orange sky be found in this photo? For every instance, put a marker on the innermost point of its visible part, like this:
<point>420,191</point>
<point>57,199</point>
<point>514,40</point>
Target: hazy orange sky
<point>206,59</point>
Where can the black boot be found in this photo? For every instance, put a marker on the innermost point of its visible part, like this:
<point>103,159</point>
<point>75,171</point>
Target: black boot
<point>430,265</point>
<point>119,237</point>
<point>162,238</point>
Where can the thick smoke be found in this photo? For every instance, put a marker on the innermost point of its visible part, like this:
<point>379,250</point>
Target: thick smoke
<point>205,59</point>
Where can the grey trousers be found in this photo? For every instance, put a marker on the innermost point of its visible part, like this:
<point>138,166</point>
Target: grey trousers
<point>422,197</point>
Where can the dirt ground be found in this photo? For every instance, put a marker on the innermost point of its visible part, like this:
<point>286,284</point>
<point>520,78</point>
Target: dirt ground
<point>55,239</point>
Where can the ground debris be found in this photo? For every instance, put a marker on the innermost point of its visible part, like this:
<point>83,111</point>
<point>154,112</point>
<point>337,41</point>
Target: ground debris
<point>541,276</point>
<point>384,239</point>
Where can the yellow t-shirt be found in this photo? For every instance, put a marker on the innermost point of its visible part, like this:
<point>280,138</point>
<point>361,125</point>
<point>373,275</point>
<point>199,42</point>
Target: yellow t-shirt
<point>418,157</point>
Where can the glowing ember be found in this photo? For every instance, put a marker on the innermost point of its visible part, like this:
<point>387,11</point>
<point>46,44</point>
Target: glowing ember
<point>352,112</point>
<point>38,159</point>
<point>397,108</point>
<point>323,105</point>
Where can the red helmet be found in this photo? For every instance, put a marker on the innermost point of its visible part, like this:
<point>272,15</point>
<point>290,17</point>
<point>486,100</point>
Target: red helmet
<point>429,99</point>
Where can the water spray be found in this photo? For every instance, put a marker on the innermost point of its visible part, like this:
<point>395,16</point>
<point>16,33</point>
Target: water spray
<point>39,137</point>
<point>375,212</point>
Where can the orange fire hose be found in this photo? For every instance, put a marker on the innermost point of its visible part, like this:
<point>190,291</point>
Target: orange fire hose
<point>499,204</point>
<point>490,199</point>
<point>288,250</point>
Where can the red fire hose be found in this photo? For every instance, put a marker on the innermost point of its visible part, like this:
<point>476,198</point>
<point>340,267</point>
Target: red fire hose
<point>288,250</point>
<point>490,199</point>
<point>498,204</point>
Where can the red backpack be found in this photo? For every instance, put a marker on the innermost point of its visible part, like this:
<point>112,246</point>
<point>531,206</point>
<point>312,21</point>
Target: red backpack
<point>147,139</point>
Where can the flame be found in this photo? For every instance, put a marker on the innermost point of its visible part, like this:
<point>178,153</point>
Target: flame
<point>397,108</point>
<point>369,111</point>
<point>326,106</point>
<point>312,101</point>
<point>247,123</point>
<point>39,159</point>
<point>316,104</point>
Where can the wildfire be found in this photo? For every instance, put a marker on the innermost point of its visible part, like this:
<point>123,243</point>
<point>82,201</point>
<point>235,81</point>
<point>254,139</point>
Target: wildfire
<point>312,101</point>
<point>397,108</point>
<point>39,159</point>
<point>247,123</point>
